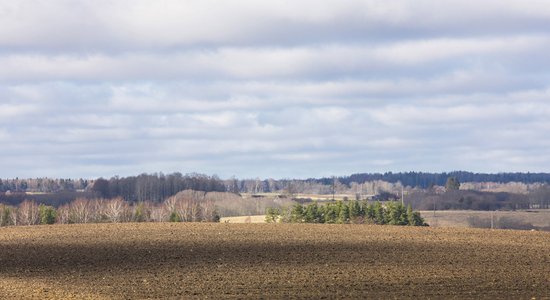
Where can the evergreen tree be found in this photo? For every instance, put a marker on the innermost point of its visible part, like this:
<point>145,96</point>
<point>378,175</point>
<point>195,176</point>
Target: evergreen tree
<point>379,214</point>
<point>297,213</point>
<point>139,215</point>
<point>311,214</point>
<point>4,215</point>
<point>393,213</point>
<point>354,211</point>
<point>321,210</point>
<point>410,219</point>
<point>343,216</point>
<point>390,213</point>
<point>417,220</point>
<point>47,214</point>
<point>452,184</point>
<point>174,217</point>
<point>272,215</point>
<point>370,213</point>
<point>400,214</point>
<point>330,213</point>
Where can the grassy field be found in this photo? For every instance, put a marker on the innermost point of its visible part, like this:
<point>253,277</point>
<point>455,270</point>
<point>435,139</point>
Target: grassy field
<point>467,218</point>
<point>204,260</point>
<point>314,197</point>
<point>455,218</point>
<point>244,219</point>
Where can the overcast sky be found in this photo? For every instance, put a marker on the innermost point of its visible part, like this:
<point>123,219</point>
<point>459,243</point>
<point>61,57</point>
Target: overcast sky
<point>281,89</point>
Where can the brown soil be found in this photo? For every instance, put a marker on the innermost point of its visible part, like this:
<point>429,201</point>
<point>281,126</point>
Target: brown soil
<point>184,260</point>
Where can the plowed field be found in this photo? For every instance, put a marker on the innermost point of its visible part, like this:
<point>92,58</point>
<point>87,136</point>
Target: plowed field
<point>184,260</point>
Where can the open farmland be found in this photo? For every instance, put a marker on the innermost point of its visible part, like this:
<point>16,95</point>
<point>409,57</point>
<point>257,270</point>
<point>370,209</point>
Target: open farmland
<point>175,260</point>
<point>521,219</point>
<point>244,219</point>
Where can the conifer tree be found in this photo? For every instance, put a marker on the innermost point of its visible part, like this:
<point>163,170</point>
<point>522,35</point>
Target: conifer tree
<point>379,214</point>
<point>297,213</point>
<point>330,213</point>
<point>47,214</point>
<point>354,211</point>
<point>311,214</point>
<point>343,216</point>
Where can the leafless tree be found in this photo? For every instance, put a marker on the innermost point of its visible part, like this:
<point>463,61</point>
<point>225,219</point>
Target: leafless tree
<point>159,213</point>
<point>183,207</point>
<point>13,216</point>
<point>96,210</point>
<point>195,211</point>
<point>80,211</point>
<point>208,210</point>
<point>63,214</point>
<point>116,209</point>
<point>170,205</point>
<point>28,213</point>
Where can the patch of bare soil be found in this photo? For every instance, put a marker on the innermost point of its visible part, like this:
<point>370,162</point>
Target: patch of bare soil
<point>186,260</point>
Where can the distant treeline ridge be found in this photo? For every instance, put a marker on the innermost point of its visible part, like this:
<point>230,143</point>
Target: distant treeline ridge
<point>425,180</point>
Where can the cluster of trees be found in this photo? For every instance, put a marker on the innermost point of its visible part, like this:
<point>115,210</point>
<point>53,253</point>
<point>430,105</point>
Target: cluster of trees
<point>356,212</point>
<point>43,185</point>
<point>151,187</point>
<point>476,200</point>
<point>133,188</point>
<point>187,206</point>
<point>53,199</point>
<point>155,187</point>
<point>425,180</point>
<point>375,183</point>
<point>27,213</point>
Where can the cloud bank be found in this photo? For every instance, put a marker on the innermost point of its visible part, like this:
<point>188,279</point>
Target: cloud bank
<point>273,88</point>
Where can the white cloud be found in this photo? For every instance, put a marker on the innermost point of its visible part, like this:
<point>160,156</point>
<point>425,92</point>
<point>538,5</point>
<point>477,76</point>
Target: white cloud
<point>280,62</point>
<point>272,88</point>
<point>14,111</point>
<point>88,25</point>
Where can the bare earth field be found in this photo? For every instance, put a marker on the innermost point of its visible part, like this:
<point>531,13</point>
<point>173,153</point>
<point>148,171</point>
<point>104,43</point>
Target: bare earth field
<point>200,260</point>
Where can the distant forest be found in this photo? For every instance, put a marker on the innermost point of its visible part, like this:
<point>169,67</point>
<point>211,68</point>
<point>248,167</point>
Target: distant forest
<point>425,180</point>
<point>145,187</point>
<point>521,190</point>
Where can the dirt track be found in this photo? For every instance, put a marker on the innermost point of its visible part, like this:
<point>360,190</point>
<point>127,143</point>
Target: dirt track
<point>175,260</point>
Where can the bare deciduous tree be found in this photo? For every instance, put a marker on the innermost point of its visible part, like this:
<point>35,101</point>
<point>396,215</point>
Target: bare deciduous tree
<point>80,211</point>
<point>13,217</point>
<point>159,213</point>
<point>28,213</point>
<point>63,214</point>
<point>116,209</point>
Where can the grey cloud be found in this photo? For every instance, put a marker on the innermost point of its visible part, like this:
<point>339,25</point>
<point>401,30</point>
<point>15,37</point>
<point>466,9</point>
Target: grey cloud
<point>331,61</point>
<point>92,26</point>
<point>273,88</point>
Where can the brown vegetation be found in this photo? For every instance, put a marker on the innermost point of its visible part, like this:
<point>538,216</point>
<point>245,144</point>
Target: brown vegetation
<point>183,260</point>
<point>526,219</point>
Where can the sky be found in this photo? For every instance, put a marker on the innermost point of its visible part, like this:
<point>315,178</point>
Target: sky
<point>273,89</point>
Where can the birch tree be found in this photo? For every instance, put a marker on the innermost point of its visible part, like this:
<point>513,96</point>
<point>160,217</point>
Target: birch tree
<point>28,213</point>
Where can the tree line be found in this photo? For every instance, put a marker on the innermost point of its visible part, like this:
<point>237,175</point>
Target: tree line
<point>158,187</point>
<point>425,180</point>
<point>187,206</point>
<point>155,187</point>
<point>349,212</point>
<point>42,185</point>
<point>134,188</point>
